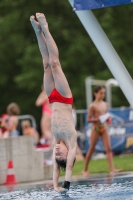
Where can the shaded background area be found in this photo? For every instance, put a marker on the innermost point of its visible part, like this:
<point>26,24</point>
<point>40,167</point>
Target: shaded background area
<point>21,71</point>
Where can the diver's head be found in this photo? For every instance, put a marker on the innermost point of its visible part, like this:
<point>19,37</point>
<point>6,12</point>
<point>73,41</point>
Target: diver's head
<point>61,153</point>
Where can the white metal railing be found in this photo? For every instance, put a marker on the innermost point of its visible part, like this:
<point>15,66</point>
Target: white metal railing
<point>25,117</point>
<point>30,117</point>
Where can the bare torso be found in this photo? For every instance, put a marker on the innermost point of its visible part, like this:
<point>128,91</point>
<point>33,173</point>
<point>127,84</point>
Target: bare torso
<point>98,108</point>
<point>13,122</point>
<point>62,124</point>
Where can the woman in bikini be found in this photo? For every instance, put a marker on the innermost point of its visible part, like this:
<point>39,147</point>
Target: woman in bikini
<point>60,98</point>
<point>97,109</point>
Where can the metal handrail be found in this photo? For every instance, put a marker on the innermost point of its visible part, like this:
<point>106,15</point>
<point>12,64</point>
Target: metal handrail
<point>22,117</point>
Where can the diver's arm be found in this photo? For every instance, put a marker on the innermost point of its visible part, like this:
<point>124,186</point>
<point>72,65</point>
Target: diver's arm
<point>70,162</point>
<point>56,173</point>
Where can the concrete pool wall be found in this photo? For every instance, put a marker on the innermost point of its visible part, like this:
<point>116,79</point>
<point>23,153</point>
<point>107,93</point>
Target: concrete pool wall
<point>28,163</point>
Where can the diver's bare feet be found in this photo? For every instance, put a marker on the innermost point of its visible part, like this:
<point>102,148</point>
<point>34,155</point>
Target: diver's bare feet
<point>42,21</point>
<point>36,26</point>
<point>86,174</point>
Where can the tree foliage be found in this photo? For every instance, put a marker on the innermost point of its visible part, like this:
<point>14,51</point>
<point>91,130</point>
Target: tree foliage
<point>21,71</point>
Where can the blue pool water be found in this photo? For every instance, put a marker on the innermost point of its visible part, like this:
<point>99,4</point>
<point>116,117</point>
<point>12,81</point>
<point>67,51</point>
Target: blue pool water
<point>95,189</point>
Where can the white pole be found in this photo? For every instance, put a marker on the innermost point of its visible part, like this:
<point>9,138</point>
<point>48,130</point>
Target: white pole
<point>107,51</point>
<point>109,83</point>
<point>88,87</point>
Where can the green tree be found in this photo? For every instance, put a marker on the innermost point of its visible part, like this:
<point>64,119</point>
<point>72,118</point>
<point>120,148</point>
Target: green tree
<point>21,70</point>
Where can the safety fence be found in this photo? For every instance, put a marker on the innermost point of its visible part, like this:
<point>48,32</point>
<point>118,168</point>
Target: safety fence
<point>28,117</point>
<point>21,118</point>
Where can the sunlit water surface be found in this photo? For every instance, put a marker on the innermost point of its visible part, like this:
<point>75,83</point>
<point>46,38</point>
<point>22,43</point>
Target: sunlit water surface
<point>101,189</point>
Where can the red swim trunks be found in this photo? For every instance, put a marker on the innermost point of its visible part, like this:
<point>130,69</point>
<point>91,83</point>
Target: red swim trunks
<point>55,96</point>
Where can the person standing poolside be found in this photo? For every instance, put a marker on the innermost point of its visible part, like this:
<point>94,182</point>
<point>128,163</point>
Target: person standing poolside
<point>13,111</point>
<point>43,101</point>
<point>60,98</point>
<point>97,109</point>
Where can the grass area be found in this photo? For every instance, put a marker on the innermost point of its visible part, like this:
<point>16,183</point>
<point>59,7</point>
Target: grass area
<point>101,166</point>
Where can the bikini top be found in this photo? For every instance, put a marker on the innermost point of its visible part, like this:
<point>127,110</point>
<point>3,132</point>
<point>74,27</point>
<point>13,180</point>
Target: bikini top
<point>55,96</point>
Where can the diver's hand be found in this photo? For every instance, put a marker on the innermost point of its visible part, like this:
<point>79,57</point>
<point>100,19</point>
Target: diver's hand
<point>61,190</point>
<point>57,189</point>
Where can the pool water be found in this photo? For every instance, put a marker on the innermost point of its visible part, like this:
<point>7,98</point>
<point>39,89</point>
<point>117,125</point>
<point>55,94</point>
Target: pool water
<point>120,188</point>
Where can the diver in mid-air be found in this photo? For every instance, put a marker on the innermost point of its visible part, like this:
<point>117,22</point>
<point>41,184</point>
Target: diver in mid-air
<point>60,98</point>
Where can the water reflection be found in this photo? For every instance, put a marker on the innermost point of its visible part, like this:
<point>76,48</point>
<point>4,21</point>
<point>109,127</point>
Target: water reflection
<point>96,189</point>
<point>66,197</point>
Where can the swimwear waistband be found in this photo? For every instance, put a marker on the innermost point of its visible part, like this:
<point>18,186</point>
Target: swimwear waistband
<point>46,110</point>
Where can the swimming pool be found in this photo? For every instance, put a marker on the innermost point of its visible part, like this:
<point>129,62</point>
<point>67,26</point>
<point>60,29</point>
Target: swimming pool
<point>120,188</point>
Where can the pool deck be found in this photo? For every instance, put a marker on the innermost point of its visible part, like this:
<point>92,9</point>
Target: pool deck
<point>61,179</point>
